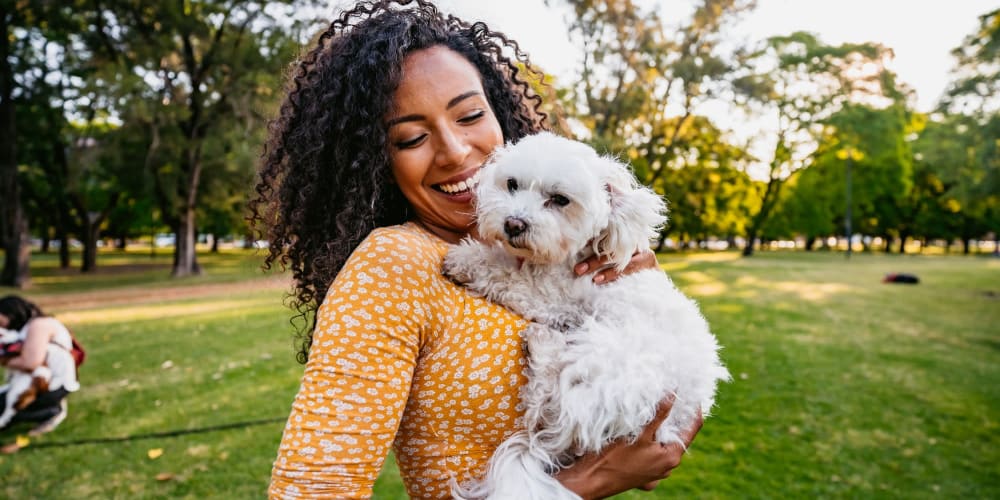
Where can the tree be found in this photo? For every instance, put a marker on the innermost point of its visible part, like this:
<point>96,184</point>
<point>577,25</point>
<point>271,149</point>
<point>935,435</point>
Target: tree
<point>641,83</point>
<point>802,82</point>
<point>189,63</point>
<point>13,221</point>
<point>975,93</point>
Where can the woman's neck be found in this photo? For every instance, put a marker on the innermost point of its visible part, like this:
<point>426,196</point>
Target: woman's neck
<point>448,235</point>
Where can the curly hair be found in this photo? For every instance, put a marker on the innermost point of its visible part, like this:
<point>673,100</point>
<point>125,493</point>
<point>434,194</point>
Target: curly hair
<point>325,178</point>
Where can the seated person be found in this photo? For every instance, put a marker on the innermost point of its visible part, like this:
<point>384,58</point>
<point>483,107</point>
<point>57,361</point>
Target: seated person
<point>45,340</point>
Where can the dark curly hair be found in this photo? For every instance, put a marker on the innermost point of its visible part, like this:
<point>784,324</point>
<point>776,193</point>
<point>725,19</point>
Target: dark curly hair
<point>324,182</point>
<point>18,311</point>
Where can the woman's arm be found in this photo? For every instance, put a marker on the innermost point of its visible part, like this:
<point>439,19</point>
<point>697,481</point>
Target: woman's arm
<point>36,343</point>
<point>354,389</point>
<point>623,466</point>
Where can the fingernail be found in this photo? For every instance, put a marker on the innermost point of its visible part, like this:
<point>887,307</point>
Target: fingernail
<point>581,268</point>
<point>599,278</point>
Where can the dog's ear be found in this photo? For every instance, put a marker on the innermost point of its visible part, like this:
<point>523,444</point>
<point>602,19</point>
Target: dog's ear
<point>636,215</point>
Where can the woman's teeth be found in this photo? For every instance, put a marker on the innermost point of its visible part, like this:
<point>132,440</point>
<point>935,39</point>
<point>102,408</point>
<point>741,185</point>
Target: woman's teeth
<point>460,186</point>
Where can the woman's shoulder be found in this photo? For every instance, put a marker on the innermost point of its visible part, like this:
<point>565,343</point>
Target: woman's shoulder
<point>45,325</point>
<point>403,243</point>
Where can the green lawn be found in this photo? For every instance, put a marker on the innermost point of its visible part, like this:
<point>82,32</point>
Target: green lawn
<point>843,387</point>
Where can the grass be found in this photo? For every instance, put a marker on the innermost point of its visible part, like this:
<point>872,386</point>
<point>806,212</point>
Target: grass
<point>138,267</point>
<point>843,387</point>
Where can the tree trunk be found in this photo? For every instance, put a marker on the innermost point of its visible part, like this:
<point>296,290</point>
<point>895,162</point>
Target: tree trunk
<point>767,203</point>
<point>902,243</point>
<point>248,241</point>
<point>185,257</point>
<point>17,252</point>
<point>64,256</point>
<point>121,242</point>
<point>46,241</point>
<point>888,244</point>
<point>14,235</point>
<point>810,243</point>
<point>89,234</point>
<point>90,228</point>
<point>966,245</point>
<point>62,232</point>
<point>215,243</point>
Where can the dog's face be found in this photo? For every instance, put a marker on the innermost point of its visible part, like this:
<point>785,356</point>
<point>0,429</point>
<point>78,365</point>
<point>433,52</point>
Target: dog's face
<point>547,197</point>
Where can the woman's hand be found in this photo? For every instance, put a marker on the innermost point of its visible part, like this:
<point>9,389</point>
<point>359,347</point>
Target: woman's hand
<point>642,259</point>
<point>622,466</point>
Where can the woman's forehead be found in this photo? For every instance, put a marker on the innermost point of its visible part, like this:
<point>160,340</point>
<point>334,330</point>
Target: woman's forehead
<point>439,70</point>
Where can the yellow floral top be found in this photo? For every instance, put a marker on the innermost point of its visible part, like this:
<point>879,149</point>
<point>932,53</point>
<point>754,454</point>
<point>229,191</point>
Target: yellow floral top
<point>400,355</point>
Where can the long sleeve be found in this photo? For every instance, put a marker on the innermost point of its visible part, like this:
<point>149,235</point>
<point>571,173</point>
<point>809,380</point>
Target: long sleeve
<point>365,347</point>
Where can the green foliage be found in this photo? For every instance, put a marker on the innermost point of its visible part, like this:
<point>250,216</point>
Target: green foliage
<point>976,88</point>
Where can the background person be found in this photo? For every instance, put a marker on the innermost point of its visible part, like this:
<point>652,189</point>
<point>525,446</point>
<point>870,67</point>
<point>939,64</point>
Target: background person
<point>43,334</point>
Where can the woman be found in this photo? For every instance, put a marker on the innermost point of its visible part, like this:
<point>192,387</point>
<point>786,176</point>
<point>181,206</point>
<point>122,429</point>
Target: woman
<point>367,177</point>
<point>45,336</point>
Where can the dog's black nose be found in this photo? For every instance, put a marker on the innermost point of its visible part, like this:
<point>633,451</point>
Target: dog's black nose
<point>514,226</point>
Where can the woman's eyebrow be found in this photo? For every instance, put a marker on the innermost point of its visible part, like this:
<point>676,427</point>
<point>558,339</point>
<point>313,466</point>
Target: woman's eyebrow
<point>459,98</point>
<point>454,101</point>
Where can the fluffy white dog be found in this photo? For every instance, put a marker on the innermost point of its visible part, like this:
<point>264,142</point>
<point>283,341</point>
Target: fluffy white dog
<point>601,357</point>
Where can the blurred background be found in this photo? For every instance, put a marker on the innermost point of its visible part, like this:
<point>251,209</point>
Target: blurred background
<point>807,149</point>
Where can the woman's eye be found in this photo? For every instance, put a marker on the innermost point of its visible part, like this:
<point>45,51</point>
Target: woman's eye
<point>471,117</point>
<point>511,185</point>
<point>559,199</point>
<point>411,142</point>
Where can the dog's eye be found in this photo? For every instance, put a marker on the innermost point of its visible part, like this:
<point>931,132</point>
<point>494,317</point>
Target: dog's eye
<point>511,184</point>
<point>559,199</point>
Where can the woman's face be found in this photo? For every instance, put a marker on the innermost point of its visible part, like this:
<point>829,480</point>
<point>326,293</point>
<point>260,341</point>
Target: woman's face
<point>440,132</point>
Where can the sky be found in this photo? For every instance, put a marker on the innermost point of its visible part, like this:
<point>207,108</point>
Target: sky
<point>921,33</point>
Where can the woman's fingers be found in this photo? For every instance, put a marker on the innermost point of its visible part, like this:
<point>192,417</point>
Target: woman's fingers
<point>642,259</point>
<point>688,435</point>
<point>589,265</point>
<point>662,411</point>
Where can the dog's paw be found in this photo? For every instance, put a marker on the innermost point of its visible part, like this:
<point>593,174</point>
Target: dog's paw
<point>462,261</point>
<point>455,270</point>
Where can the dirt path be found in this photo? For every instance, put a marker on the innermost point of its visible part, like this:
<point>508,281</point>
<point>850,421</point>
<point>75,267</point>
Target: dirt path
<point>152,293</point>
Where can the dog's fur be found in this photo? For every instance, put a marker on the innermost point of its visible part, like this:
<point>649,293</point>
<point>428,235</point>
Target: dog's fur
<point>23,387</point>
<point>601,357</point>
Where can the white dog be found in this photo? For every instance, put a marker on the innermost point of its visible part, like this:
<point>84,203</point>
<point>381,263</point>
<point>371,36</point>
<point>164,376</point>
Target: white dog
<point>601,357</point>
<point>58,370</point>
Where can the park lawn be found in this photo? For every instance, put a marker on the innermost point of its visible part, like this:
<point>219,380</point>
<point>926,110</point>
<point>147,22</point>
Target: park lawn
<point>843,386</point>
<point>138,267</point>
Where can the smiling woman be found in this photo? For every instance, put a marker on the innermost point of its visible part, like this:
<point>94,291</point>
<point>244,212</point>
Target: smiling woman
<point>367,177</point>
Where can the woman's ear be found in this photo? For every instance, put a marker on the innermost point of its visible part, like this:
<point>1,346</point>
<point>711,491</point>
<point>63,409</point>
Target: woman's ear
<point>637,213</point>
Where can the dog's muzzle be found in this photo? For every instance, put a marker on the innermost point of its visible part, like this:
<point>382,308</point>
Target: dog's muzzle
<point>514,226</point>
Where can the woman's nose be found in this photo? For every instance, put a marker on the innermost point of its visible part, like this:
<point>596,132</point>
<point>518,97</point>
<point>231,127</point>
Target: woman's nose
<point>452,148</point>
